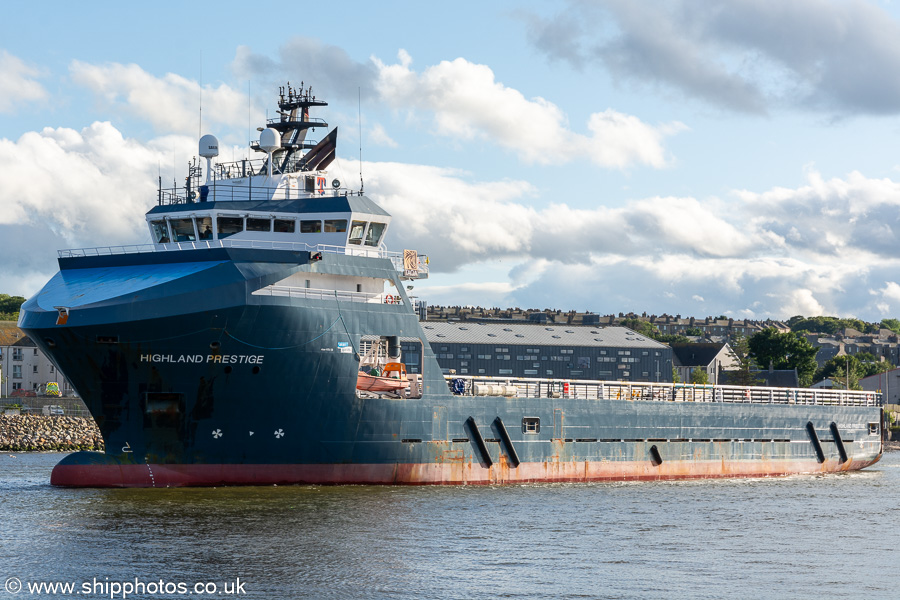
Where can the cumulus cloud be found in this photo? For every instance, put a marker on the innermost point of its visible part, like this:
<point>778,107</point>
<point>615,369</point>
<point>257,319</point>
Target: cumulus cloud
<point>380,137</point>
<point>468,102</point>
<point>86,188</point>
<point>463,100</point>
<point>171,103</point>
<point>742,55</point>
<point>655,253</point>
<point>309,60</point>
<point>18,83</point>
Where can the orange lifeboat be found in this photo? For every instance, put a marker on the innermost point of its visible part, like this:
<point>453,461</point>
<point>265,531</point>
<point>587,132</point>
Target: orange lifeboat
<point>392,379</point>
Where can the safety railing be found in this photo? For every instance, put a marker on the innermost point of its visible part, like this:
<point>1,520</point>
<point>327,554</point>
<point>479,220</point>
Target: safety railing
<point>396,258</point>
<point>665,392</point>
<point>322,294</point>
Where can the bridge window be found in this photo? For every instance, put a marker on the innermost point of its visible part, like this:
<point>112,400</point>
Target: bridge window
<point>335,225</point>
<point>229,226</point>
<point>356,232</point>
<point>285,225</point>
<point>160,232</point>
<point>373,237</point>
<point>183,230</point>
<point>204,228</point>
<point>257,224</point>
<point>310,226</point>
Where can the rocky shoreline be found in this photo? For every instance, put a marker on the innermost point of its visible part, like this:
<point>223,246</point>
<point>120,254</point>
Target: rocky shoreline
<point>38,433</point>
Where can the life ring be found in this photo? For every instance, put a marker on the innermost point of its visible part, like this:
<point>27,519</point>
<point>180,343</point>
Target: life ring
<point>746,394</point>
<point>388,299</point>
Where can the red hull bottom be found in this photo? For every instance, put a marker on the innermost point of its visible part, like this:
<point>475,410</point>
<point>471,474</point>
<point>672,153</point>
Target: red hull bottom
<point>174,475</point>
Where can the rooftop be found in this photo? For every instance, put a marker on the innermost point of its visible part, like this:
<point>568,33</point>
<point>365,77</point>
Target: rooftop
<point>536,335</point>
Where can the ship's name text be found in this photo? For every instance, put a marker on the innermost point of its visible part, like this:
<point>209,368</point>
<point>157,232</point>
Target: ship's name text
<point>225,359</point>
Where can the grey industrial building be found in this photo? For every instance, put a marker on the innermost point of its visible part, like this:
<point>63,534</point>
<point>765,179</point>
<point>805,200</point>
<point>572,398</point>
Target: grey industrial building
<point>542,351</point>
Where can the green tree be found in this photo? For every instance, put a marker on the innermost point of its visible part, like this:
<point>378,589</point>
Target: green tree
<point>744,374</point>
<point>892,324</point>
<point>870,365</point>
<point>694,331</point>
<point>699,376</point>
<point>642,327</point>
<point>843,370</point>
<point>831,325</point>
<point>652,331</point>
<point>784,351</point>
<point>672,338</point>
<point>9,307</point>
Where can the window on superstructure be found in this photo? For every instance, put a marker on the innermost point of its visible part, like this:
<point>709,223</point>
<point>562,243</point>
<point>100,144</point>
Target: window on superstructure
<point>335,225</point>
<point>373,236</point>
<point>227,226</point>
<point>204,228</point>
<point>160,232</point>
<point>257,224</point>
<point>310,226</point>
<point>356,232</point>
<point>183,230</point>
<point>285,226</point>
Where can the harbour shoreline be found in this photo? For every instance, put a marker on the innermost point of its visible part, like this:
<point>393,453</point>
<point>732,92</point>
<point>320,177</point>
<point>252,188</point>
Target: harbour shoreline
<point>42,433</point>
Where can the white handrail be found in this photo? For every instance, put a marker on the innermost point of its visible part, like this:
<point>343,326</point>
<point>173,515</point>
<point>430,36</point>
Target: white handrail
<point>672,392</point>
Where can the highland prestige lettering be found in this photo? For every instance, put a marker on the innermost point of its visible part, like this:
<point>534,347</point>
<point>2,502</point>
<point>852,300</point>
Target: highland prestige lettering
<point>225,359</point>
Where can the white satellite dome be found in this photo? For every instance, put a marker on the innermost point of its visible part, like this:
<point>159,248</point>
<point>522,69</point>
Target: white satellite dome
<point>209,146</point>
<point>269,140</point>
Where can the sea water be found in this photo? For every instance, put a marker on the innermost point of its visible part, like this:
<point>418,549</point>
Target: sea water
<point>827,536</point>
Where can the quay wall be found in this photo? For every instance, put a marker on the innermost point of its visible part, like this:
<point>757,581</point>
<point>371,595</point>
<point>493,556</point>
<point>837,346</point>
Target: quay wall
<point>40,433</point>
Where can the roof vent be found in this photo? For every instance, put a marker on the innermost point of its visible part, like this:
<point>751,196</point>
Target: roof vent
<point>519,335</point>
<point>555,336</point>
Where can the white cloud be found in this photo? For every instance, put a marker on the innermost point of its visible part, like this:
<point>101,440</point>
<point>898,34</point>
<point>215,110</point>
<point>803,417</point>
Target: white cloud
<point>657,254</point>
<point>170,103</point>
<point>89,187</point>
<point>802,302</point>
<point>468,103</point>
<point>380,137</point>
<point>18,83</point>
<point>744,55</point>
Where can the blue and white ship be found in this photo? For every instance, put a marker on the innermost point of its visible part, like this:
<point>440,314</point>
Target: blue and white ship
<point>257,341</point>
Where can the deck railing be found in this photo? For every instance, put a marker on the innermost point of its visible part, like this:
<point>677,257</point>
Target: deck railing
<point>322,294</point>
<point>662,392</point>
<point>396,258</point>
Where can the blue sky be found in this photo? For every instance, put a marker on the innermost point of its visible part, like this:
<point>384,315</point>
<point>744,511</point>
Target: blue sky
<point>710,158</point>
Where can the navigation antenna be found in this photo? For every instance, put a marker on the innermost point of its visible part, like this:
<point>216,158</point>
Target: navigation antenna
<point>359,120</point>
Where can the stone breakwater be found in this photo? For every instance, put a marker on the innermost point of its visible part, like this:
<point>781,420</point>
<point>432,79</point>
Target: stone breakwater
<point>37,433</point>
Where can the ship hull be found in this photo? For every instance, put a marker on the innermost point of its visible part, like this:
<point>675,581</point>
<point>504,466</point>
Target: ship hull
<point>194,380</point>
<point>72,474</point>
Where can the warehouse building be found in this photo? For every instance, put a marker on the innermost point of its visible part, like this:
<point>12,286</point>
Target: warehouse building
<point>542,351</point>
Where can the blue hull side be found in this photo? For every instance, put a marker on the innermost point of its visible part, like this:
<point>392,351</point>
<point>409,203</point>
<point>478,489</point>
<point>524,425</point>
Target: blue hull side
<point>195,380</point>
